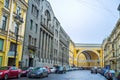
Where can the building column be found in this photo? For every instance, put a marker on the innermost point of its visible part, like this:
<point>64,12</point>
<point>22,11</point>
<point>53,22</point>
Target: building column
<point>44,46</point>
<point>50,55</point>
<point>47,48</point>
<point>40,44</point>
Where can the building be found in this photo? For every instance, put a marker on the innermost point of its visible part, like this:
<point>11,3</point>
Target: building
<point>12,26</point>
<point>88,55</point>
<point>64,40</point>
<point>111,48</point>
<point>32,34</point>
<point>44,36</point>
<point>71,53</point>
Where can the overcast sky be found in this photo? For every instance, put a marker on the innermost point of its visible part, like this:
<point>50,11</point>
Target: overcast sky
<point>86,21</point>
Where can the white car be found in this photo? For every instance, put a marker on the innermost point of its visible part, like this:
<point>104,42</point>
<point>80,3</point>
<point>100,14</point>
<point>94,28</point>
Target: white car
<point>53,69</point>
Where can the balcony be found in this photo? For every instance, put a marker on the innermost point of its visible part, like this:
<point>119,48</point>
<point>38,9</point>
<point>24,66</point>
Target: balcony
<point>113,58</point>
<point>13,36</point>
<point>18,18</point>
<point>48,28</point>
<point>24,3</point>
<point>31,47</point>
<point>3,32</point>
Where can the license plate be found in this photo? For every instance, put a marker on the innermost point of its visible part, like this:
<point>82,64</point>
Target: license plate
<point>33,74</point>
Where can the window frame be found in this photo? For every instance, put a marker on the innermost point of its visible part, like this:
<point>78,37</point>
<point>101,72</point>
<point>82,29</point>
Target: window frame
<point>6,3</point>
<point>4,22</point>
<point>2,45</point>
<point>31,24</point>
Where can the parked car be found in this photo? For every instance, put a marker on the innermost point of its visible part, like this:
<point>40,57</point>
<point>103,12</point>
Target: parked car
<point>9,72</point>
<point>49,71</point>
<point>60,69</point>
<point>99,70</point>
<point>26,70</point>
<point>53,69</point>
<point>94,70</point>
<point>38,72</point>
<point>103,70</point>
<point>110,74</point>
<point>118,76</point>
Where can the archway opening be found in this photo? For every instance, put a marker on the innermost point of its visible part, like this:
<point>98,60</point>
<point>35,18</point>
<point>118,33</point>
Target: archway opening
<point>88,59</point>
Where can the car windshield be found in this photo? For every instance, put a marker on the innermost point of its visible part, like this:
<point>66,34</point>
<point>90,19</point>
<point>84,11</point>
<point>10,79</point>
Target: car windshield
<point>38,68</point>
<point>4,68</point>
<point>24,68</point>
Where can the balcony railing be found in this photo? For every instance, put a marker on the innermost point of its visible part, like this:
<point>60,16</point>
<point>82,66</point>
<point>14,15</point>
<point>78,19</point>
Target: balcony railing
<point>3,32</point>
<point>32,47</point>
<point>24,2</point>
<point>13,35</point>
<point>18,18</point>
<point>48,28</point>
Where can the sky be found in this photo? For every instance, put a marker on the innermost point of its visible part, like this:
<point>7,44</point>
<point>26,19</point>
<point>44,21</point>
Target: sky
<point>86,21</point>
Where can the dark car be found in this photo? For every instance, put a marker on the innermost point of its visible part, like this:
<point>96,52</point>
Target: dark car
<point>26,70</point>
<point>110,74</point>
<point>94,70</point>
<point>60,69</point>
<point>9,72</point>
<point>38,72</point>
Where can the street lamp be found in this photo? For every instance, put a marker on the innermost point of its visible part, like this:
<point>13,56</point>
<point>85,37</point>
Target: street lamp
<point>16,32</point>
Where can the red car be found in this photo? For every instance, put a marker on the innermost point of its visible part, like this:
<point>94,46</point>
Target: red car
<point>26,70</point>
<point>9,72</point>
<point>49,71</point>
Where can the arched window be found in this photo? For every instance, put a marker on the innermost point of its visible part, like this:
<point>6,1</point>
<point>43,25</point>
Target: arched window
<point>47,14</point>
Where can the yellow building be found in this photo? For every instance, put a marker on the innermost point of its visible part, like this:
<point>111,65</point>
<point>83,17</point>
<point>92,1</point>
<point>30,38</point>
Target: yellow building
<point>86,55</point>
<point>111,48</point>
<point>71,53</point>
<point>12,26</point>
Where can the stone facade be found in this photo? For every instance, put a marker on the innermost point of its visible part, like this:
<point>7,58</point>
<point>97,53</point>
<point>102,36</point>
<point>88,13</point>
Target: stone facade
<point>42,36</point>
<point>12,26</point>
<point>111,49</point>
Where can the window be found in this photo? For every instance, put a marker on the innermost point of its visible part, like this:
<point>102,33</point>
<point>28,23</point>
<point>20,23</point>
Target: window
<point>36,28</point>
<point>1,44</point>
<point>31,24</point>
<point>6,3</point>
<point>4,22</point>
<point>18,10</point>
<point>32,8</point>
<point>12,46</point>
<point>16,29</point>
<point>35,41</point>
<point>37,13</point>
<point>0,61</point>
<point>29,40</point>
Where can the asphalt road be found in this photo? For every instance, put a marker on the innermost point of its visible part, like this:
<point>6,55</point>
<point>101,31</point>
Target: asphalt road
<point>72,75</point>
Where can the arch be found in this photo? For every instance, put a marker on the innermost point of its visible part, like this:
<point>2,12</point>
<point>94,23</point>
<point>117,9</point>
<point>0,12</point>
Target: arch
<point>47,14</point>
<point>88,50</point>
<point>88,54</point>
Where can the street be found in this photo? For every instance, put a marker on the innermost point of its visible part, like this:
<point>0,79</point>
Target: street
<point>72,75</point>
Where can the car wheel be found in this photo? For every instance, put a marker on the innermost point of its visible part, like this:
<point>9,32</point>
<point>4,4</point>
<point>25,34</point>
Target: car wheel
<point>47,75</point>
<point>5,77</point>
<point>19,75</point>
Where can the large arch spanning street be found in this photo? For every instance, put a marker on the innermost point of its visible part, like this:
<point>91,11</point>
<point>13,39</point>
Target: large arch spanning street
<point>89,55</point>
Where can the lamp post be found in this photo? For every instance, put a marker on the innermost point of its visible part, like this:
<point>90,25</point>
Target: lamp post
<point>16,33</point>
